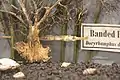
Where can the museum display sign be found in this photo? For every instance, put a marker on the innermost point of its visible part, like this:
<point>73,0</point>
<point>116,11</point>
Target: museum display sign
<point>105,37</point>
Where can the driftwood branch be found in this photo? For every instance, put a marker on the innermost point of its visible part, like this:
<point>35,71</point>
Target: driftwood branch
<point>5,37</point>
<point>63,38</point>
<point>22,5</point>
<point>48,10</point>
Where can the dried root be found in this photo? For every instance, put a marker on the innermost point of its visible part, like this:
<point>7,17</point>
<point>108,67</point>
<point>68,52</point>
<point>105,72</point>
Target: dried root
<point>32,54</point>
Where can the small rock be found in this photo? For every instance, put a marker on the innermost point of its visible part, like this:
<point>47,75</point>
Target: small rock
<point>4,67</point>
<point>6,63</point>
<point>65,64</point>
<point>89,71</point>
<point>19,75</point>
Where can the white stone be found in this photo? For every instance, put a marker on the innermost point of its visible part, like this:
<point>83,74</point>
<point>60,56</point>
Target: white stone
<point>89,71</point>
<point>6,63</point>
<point>19,75</point>
<point>65,64</point>
<point>4,67</point>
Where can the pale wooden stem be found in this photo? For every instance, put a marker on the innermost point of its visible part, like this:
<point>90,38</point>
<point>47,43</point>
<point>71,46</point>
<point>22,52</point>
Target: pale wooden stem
<point>5,37</point>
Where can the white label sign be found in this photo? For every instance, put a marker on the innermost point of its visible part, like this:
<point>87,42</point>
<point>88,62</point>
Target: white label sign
<point>105,37</point>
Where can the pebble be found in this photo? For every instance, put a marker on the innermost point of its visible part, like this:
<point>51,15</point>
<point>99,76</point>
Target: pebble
<point>89,71</point>
<point>19,75</point>
<point>65,64</point>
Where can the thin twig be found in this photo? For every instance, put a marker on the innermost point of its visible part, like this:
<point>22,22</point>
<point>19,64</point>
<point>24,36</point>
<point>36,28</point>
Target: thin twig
<point>62,5</point>
<point>35,6</point>
<point>40,4</point>
<point>48,10</point>
<point>15,7</point>
<point>103,4</point>
<point>25,12</point>
<point>21,32</point>
<point>13,14</point>
<point>36,12</point>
